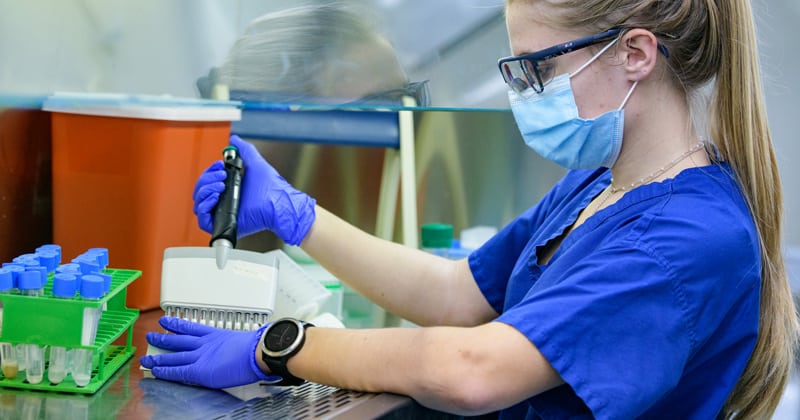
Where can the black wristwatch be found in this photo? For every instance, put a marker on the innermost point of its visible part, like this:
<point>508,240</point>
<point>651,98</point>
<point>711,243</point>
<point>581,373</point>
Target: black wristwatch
<point>282,340</point>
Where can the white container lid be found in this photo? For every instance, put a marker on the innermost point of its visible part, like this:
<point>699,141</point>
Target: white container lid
<point>151,107</point>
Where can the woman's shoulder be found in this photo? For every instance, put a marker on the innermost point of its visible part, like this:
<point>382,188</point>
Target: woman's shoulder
<point>701,218</point>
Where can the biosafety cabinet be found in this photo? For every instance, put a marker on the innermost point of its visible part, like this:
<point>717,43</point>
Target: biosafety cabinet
<point>466,164</point>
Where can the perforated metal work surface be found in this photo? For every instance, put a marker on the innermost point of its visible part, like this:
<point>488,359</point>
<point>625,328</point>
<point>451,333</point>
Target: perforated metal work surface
<point>308,401</point>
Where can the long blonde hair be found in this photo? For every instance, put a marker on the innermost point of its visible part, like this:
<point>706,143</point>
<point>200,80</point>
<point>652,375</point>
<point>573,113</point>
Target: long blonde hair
<point>715,40</point>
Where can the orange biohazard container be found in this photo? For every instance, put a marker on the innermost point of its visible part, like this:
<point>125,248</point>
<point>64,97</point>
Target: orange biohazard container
<point>124,169</point>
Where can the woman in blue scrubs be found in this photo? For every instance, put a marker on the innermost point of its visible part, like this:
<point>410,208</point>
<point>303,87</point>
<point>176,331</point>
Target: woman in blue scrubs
<point>648,282</point>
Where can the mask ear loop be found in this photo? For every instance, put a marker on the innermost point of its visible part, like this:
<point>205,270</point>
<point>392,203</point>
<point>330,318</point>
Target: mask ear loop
<point>628,96</point>
<point>594,58</point>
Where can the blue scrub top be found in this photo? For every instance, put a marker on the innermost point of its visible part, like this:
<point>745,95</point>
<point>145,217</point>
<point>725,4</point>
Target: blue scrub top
<point>648,309</point>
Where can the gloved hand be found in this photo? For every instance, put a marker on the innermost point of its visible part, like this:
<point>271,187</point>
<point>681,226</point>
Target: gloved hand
<point>206,356</point>
<point>267,201</point>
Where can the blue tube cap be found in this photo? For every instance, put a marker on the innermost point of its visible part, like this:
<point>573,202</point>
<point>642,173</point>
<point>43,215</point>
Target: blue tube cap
<point>87,263</point>
<point>15,270</point>
<point>6,279</point>
<point>65,285</point>
<point>48,259</point>
<point>29,280</point>
<point>101,254</point>
<point>92,286</point>
<point>69,268</point>
<point>106,281</point>
<point>27,260</point>
<point>51,248</point>
<point>42,273</point>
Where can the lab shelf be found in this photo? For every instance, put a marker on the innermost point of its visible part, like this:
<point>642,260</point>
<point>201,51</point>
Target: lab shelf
<point>365,128</point>
<point>50,321</point>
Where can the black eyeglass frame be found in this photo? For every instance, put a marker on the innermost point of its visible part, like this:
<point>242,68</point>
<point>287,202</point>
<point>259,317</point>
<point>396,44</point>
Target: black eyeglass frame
<point>548,53</point>
<point>420,91</point>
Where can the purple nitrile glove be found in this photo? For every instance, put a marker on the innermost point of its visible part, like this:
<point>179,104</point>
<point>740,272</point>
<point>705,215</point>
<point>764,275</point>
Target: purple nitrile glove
<point>267,200</point>
<point>206,356</point>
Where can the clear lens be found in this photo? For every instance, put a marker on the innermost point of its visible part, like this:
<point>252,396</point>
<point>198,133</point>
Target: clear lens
<point>417,90</point>
<point>521,75</point>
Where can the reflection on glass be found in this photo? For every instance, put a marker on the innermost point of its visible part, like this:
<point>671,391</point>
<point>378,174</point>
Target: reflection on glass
<point>327,53</point>
<point>153,47</point>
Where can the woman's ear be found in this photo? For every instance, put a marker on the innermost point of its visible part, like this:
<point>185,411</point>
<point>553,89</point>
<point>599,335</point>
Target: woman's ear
<point>639,50</point>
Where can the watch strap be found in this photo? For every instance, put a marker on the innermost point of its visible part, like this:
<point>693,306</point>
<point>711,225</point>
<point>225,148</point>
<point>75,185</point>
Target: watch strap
<point>278,367</point>
<point>253,365</point>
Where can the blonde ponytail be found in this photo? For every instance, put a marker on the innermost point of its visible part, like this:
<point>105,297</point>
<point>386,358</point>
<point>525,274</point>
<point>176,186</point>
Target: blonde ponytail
<point>739,127</point>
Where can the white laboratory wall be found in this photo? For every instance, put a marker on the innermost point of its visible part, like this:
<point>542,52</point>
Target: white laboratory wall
<point>117,46</point>
<point>780,50</point>
<point>143,46</point>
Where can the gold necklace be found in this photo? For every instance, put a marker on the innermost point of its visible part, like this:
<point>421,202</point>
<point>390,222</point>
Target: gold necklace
<point>611,190</point>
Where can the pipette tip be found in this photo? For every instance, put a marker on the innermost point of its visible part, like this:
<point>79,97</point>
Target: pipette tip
<point>222,248</point>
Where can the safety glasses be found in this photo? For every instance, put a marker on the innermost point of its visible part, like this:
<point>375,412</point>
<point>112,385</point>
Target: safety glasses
<point>419,91</point>
<point>530,70</point>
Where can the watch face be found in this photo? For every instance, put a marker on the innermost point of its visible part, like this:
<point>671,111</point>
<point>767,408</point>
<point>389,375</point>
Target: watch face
<point>281,336</point>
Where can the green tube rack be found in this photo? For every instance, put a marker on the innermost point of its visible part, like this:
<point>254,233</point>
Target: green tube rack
<point>50,321</point>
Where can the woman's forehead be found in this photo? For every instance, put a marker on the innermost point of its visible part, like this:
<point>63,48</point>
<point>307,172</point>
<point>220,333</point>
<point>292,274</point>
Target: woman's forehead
<point>529,29</point>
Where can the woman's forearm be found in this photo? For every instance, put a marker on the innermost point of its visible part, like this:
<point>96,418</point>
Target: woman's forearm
<point>454,369</point>
<point>415,285</point>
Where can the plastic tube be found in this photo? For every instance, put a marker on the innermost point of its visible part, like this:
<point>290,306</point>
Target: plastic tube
<point>29,283</point>
<point>91,288</point>
<point>34,371</point>
<point>81,366</point>
<point>64,287</point>
<point>22,357</point>
<point>42,270</point>
<point>9,360</point>
<point>57,369</point>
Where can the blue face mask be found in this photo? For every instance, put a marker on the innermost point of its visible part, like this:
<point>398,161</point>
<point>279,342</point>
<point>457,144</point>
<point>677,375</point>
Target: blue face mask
<point>550,125</point>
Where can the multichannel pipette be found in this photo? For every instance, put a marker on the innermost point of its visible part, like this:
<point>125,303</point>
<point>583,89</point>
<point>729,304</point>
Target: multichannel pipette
<point>223,239</point>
